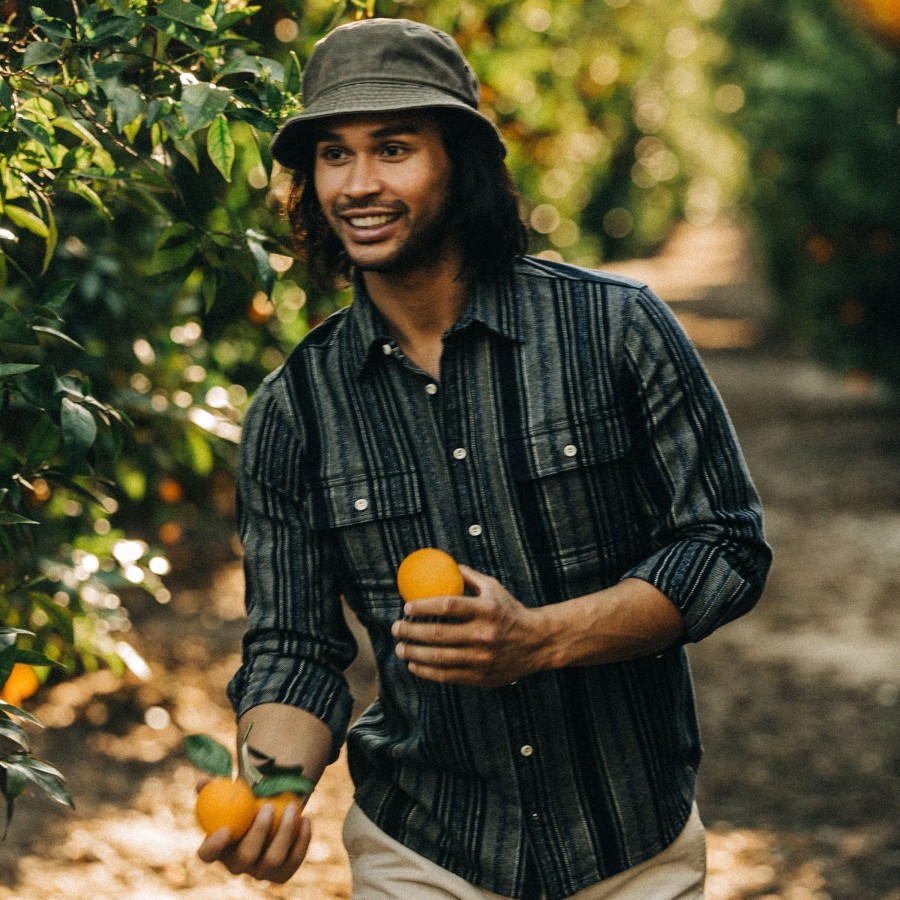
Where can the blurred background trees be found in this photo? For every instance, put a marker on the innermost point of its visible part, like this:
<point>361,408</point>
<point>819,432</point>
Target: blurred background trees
<point>148,285</point>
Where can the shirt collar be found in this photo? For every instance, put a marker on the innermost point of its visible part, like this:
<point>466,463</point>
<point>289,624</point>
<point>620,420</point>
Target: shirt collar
<point>492,304</point>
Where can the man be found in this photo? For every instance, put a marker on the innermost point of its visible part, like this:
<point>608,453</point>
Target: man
<point>551,428</point>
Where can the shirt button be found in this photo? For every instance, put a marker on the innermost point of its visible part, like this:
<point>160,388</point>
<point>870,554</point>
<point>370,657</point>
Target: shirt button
<point>387,349</point>
<point>431,388</point>
<point>526,750</point>
<point>460,453</point>
<point>570,450</point>
<point>361,504</point>
<point>475,530</point>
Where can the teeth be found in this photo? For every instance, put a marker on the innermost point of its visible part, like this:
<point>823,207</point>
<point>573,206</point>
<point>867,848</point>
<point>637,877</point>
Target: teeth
<point>370,221</point>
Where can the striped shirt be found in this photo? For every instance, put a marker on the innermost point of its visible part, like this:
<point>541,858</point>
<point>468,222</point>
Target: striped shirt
<point>573,439</point>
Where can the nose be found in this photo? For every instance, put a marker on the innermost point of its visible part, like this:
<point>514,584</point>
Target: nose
<point>361,177</point>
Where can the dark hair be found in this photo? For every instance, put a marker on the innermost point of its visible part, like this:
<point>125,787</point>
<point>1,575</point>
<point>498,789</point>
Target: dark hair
<point>483,208</point>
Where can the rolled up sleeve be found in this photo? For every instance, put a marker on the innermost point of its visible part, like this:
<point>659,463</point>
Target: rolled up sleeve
<point>710,558</point>
<point>297,644</point>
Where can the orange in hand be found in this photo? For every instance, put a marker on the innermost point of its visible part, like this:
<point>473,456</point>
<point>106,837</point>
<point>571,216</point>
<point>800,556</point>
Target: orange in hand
<point>429,572</point>
<point>229,803</point>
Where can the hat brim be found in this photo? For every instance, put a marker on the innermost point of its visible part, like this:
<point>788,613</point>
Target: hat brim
<point>369,97</point>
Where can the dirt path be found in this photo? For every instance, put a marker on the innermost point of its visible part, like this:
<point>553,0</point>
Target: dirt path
<point>799,700</point>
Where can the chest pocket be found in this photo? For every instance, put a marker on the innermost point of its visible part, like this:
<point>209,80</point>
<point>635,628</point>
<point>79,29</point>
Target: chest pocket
<point>367,521</point>
<point>574,478</point>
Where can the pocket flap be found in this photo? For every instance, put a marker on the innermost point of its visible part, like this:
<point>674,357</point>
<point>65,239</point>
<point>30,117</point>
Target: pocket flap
<point>565,445</point>
<point>355,500</point>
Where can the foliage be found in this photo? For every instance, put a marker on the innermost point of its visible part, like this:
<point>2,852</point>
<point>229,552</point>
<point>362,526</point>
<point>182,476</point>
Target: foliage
<point>19,769</point>
<point>124,124</point>
<point>820,124</point>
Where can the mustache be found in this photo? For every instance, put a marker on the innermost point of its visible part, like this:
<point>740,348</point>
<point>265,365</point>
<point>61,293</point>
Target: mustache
<point>350,206</point>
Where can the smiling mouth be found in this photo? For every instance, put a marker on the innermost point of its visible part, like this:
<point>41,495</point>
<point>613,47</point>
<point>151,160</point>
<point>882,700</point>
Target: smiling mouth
<point>371,221</point>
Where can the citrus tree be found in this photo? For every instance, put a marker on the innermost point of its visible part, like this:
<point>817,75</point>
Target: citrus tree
<point>821,80</point>
<point>141,254</point>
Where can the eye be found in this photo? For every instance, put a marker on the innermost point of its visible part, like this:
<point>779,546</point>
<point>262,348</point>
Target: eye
<point>332,153</point>
<point>393,151</point>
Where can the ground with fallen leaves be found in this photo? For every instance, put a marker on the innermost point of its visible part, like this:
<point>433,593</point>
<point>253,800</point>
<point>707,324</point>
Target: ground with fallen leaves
<point>799,700</point>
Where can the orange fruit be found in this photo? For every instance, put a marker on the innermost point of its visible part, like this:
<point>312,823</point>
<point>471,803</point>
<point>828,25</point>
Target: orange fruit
<point>20,685</point>
<point>226,803</point>
<point>429,572</point>
<point>279,802</point>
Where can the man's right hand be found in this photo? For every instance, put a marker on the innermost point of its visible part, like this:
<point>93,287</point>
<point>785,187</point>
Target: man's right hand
<point>254,854</point>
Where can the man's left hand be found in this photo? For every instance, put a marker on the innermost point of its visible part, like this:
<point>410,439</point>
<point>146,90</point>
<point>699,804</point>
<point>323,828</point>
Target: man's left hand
<point>488,639</point>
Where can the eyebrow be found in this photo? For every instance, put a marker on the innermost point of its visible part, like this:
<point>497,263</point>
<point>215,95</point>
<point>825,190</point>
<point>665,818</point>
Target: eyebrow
<point>387,131</point>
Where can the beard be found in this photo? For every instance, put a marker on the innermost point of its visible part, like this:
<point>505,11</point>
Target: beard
<point>423,249</point>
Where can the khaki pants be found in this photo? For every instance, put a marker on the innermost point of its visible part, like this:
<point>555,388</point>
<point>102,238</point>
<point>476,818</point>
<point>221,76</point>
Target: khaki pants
<point>384,869</point>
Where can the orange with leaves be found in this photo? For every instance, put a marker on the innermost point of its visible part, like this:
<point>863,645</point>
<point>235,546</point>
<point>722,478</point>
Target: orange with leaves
<point>429,572</point>
<point>225,802</point>
<point>233,803</point>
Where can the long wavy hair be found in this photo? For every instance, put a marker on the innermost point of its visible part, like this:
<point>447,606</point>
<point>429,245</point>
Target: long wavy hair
<point>483,208</point>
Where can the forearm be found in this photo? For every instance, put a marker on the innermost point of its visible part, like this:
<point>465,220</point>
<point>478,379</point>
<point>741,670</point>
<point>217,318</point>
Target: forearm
<point>628,620</point>
<point>289,736</point>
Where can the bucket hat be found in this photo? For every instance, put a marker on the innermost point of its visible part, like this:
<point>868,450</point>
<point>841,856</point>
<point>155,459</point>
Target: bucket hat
<point>381,65</point>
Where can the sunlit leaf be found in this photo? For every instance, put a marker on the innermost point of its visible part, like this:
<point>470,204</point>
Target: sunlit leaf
<point>201,103</point>
<point>14,732</point>
<point>56,333</point>
<point>220,146</point>
<point>277,784</point>
<point>24,218</point>
<point>187,14</point>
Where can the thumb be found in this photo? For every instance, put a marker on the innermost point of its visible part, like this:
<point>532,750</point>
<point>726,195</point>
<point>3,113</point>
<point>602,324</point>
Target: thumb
<point>473,579</point>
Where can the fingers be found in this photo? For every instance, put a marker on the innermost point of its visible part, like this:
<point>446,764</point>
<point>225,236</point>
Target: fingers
<point>255,854</point>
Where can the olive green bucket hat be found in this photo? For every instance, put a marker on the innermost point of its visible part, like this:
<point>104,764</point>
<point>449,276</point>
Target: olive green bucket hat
<point>381,65</point>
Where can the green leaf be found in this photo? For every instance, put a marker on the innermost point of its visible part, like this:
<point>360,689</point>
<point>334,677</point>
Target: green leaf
<point>48,778</point>
<point>292,71</point>
<point>175,247</point>
<point>57,293</point>
<point>230,19</point>
<point>6,94</point>
<point>10,518</point>
<point>14,327</point>
<point>187,14</point>
<point>208,755</point>
<point>263,266</point>
<point>40,53</point>
<point>242,63</point>
<point>220,146</point>
<point>79,428</point>
<point>201,103</point>
<point>10,370</point>
<point>278,784</point>
<point>43,442</point>
<point>188,149</point>
<point>126,102</point>
<point>117,28</point>
<point>37,131</point>
<point>15,733</point>
<point>11,710</point>
<point>28,220</point>
<point>55,332</point>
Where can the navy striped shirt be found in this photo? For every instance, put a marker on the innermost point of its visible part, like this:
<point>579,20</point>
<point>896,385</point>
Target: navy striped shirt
<point>573,439</point>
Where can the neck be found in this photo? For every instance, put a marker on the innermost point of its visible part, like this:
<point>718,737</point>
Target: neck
<point>419,306</point>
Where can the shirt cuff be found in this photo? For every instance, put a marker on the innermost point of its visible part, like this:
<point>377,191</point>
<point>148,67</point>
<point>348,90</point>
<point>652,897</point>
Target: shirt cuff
<point>707,590</point>
<point>304,684</point>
